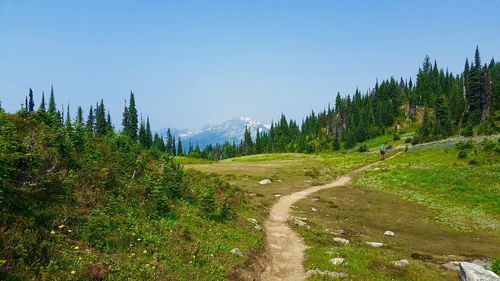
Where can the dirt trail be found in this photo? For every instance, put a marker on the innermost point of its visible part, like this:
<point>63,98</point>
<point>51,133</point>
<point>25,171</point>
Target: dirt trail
<point>285,248</point>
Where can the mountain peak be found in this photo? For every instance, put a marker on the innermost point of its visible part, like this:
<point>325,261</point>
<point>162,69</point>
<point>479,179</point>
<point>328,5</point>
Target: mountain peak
<point>231,130</point>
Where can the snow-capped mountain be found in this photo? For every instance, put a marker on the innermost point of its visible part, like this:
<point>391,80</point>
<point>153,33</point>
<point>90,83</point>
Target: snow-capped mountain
<point>230,130</point>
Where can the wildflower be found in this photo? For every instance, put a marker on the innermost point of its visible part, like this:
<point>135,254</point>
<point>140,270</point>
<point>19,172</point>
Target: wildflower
<point>73,272</point>
<point>61,226</point>
<point>77,248</point>
<point>138,239</point>
<point>154,267</point>
<point>52,232</point>
<point>144,251</point>
<point>69,230</point>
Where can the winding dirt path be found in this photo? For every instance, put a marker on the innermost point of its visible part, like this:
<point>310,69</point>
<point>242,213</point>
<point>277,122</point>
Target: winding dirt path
<point>285,248</point>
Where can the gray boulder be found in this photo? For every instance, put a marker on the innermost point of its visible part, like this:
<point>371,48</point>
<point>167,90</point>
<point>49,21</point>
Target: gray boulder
<point>473,272</point>
<point>401,263</point>
<point>389,233</point>
<point>341,240</point>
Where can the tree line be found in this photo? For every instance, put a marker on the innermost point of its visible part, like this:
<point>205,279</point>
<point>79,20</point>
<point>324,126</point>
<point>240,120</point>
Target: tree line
<point>441,103</point>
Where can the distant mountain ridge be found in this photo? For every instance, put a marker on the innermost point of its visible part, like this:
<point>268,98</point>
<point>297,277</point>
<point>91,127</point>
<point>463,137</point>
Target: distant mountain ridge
<point>230,130</point>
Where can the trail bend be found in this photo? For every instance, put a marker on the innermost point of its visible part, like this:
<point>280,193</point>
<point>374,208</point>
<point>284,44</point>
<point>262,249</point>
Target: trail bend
<point>285,248</point>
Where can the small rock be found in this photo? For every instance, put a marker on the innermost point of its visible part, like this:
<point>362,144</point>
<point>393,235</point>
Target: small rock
<point>337,261</point>
<point>401,263</point>
<point>237,251</point>
<point>314,209</point>
<point>258,227</point>
<point>301,223</point>
<point>375,244</point>
<point>277,195</point>
<point>453,265</point>
<point>341,240</point>
<point>473,272</point>
<point>327,273</point>
<point>252,220</point>
<point>265,181</point>
<point>314,199</point>
<point>389,233</point>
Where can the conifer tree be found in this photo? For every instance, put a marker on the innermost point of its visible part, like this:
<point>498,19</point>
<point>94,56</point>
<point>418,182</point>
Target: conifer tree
<point>486,96</point>
<point>109,124</point>
<point>336,141</point>
<point>149,136</point>
<point>90,121</point>
<point>180,149</point>
<point>52,101</point>
<point>68,119</point>
<point>42,103</point>
<point>79,117</point>
<point>31,103</point>
<point>125,120</point>
<point>132,117</point>
<point>143,140</point>
<point>170,143</point>
<point>101,125</point>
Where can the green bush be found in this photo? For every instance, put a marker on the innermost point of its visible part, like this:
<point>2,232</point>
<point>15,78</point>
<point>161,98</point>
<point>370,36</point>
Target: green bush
<point>362,148</point>
<point>495,266</point>
<point>408,140</point>
<point>396,137</point>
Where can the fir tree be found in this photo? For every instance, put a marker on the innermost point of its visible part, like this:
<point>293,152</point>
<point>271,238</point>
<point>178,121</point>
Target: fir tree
<point>101,125</point>
<point>79,117</point>
<point>149,136</point>
<point>90,121</point>
<point>132,118</point>
<point>68,119</point>
<point>31,103</point>
<point>52,101</point>
<point>336,141</point>
<point>486,96</point>
<point>125,120</point>
<point>42,103</point>
<point>180,149</point>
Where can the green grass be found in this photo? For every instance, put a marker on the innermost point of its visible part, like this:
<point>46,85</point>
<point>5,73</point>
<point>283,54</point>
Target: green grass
<point>185,160</point>
<point>465,196</point>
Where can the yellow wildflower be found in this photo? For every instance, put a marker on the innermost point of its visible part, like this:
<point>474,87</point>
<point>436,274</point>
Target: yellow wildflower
<point>73,272</point>
<point>77,248</point>
<point>144,251</point>
<point>61,226</point>
<point>52,232</point>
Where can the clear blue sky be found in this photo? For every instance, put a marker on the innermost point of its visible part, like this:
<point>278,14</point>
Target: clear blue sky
<point>196,62</point>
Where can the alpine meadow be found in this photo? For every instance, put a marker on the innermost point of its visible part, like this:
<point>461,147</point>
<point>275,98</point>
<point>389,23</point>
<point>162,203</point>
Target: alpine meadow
<point>109,169</point>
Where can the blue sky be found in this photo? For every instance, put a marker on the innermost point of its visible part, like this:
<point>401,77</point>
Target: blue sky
<point>196,62</point>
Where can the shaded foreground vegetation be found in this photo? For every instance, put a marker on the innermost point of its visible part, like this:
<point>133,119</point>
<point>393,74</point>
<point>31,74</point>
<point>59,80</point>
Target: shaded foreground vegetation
<point>80,205</point>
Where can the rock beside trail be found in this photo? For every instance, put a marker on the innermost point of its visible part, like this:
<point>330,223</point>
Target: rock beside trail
<point>265,181</point>
<point>341,240</point>
<point>255,223</point>
<point>389,233</point>
<point>314,209</point>
<point>327,273</point>
<point>401,263</point>
<point>337,261</point>
<point>237,251</point>
<point>277,195</point>
<point>473,272</point>
<point>301,223</point>
<point>482,263</point>
<point>375,244</point>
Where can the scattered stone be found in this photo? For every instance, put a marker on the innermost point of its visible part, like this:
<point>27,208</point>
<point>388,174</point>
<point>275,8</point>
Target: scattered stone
<point>277,195</point>
<point>453,265</point>
<point>327,273</point>
<point>401,263</point>
<point>314,209</point>
<point>473,272</point>
<point>315,199</point>
<point>258,227</point>
<point>252,220</point>
<point>337,261</point>
<point>375,244</point>
<point>389,233</point>
<point>237,251</point>
<point>265,181</point>
<point>341,240</point>
<point>300,223</point>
